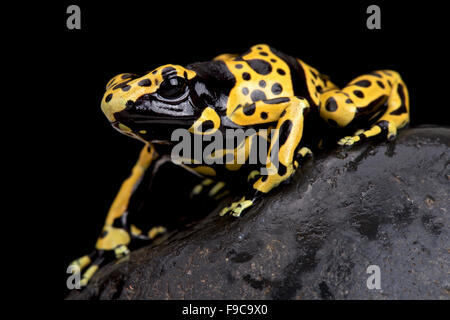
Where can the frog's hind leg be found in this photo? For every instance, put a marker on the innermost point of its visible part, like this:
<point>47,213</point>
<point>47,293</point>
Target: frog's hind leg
<point>380,94</point>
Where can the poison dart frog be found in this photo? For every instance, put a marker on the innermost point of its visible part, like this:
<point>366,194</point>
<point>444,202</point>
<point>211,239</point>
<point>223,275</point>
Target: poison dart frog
<point>260,89</point>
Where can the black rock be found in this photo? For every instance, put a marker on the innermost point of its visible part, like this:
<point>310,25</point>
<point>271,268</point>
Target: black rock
<point>314,238</point>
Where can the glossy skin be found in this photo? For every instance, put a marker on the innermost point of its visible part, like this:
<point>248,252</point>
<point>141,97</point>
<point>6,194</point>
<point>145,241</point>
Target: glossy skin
<point>260,89</point>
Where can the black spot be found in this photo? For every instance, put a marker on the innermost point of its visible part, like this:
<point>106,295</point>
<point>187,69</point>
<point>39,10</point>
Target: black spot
<point>249,109</point>
<point>262,84</point>
<point>380,84</point>
<point>283,113</point>
<point>362,83</point>
<point>258,95</point>
<point>126,88</point>
<point>265,54</point>
<point>332,122</point>
<point>245,91</point>
<point>285,130</point>
<point>402,109</point>
<point>207,125</point>
<point>375,74</point>
<point>167,71</point>
<point>331,105</point>
<point>319,89</point>
<point>259,48</point>
<point>121,85</point>
<point>260,66</point>
<point>273,60</point>
<point>155,72</point>
<point>277,100</point>
<point>390,83</point>
<point>108,97</point>
<point>129,104</point>
<point>263,178</point>
<point>238,66</point>
<point>126,76</point>
<point>281,169</point>
<point>246,76</point>
<point>281,71</point>
<point>387,73</point>
<point>348,101</point>
<point>314,74</point>
<point>264,115</point>
<point>373,105</point>
<point>277,88</point>
<point>103,234</point>
<point>145,83</point>
<point>237,107</point>
<point>358,93</point>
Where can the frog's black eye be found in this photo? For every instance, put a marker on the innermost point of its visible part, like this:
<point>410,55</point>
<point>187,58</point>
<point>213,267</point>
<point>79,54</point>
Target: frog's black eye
<point>172,88</point>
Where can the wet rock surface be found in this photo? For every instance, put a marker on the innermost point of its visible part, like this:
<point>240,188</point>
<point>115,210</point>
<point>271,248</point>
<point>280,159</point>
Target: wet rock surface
<point>314,238</point>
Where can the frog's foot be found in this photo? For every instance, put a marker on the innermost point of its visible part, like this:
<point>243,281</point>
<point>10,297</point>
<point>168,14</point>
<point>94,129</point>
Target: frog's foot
<point>214,190</point>
<point>236,208</point>
<point>377,130</point>
<point>88,265</point>
<point>303,154</point>
<point>349,141</point>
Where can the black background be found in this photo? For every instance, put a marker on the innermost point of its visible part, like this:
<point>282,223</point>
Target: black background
<point>91,159</point>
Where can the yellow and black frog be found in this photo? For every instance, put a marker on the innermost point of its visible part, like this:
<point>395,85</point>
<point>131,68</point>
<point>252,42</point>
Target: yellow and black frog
<point>261,89</point>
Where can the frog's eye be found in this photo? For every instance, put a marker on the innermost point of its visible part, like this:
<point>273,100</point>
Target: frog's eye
<point>172,88</point>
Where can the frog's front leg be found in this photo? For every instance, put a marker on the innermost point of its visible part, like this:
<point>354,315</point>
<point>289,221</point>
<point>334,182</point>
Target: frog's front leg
<point>380,95</point>
<point>284,148</point>
<point>116,234</point>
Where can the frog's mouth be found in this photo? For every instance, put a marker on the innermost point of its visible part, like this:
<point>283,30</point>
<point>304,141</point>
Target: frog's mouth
<point>152,128</point>
<point>134,120</point>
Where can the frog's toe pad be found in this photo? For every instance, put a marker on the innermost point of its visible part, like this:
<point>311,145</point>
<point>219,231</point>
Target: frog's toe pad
<point>121,251</point>
<point>236,208</point>
<point>349,140</point>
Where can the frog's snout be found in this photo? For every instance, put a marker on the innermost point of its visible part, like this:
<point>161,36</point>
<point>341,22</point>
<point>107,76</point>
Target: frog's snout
<point>111,106</point>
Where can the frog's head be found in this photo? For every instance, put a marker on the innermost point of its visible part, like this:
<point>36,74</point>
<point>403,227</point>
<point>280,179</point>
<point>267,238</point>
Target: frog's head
<point>150,107</point>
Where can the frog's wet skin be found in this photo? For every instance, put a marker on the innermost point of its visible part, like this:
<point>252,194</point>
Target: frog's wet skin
<point>261,89</point>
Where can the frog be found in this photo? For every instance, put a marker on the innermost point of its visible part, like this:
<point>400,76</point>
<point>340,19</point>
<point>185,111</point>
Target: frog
<point>261,89</point>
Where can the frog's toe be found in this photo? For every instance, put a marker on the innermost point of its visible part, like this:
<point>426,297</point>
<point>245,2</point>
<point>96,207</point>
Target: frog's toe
<point>212,190</point>
<point>349,141</point>
<point>79,264</point>
<point>86,266</point>
<point>391,136</point>
<point>121,251</point>
<point>236,208</point>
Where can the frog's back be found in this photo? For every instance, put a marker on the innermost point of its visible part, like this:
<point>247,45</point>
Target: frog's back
<point>261,73</point>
